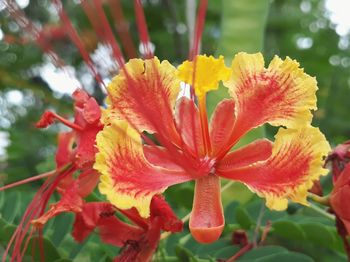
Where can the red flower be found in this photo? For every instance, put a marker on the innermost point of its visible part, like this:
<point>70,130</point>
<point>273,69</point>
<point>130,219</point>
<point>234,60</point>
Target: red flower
<point>143,98</point>
<point>340,197</point>
<point>70,159</point>
<point>138,241</point>
<point>339,157</point>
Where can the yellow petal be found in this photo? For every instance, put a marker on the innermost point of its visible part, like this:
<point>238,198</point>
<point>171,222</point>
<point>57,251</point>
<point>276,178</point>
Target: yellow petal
<point>209,71</point>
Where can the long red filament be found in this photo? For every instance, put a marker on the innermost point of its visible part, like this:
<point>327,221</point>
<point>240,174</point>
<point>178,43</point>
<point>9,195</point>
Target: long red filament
<point>35,209</point>
<point>91,14</point>
<point>142,28</point>
<point>28,27</point>
<point>74,36</point>
<point>30,179</point>
<point>199,28</point>
<point>108,34</point>
<point>122,28</point>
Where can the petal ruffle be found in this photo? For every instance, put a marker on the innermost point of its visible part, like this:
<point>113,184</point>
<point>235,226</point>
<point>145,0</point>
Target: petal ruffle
<point>209,71</point>
<point>128,179</point>
<point>282,94</point>
<point>296,161</point>
<point>144,94</point>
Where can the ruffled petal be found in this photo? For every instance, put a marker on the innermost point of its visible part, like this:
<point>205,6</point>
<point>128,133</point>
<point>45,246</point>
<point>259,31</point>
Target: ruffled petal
<point>282,94</point>
<point>209,71</point>
<point>296,161</point>
<point>222,124</point>
<point>144,94</point>
<point>128,179</point>
<point>258,150</point>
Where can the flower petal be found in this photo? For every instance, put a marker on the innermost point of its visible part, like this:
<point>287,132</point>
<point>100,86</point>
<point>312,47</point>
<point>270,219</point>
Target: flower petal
<point>209,71</point>
<point>188,125</point>
<point>86,145</point>
<point>258,150</point>
<point>64,152</point>
<point>128,179</point>
<point>161,157</point>
<point>70,202</point>
<point>222,124</point>
<point>111,230</point>
<point>340,197</point>
<point>207,220</point>
<point>144,94</point>
<point>282,94</point>
<point>167,218</point>
<point>296,161</point>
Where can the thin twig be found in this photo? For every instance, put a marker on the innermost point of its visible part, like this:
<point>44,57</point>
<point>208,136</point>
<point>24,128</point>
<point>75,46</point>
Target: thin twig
<point>324,200</point>
<point>258,225</point>
<point>321,211</point>
<point>242,251</point>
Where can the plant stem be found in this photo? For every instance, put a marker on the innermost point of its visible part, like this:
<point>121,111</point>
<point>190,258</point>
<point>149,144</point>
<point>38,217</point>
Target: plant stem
<point>321,211</point>
<point>323,200</point>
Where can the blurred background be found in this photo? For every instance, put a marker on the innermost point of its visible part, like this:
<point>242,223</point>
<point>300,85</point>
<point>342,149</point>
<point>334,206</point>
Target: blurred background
<point>316,33</point>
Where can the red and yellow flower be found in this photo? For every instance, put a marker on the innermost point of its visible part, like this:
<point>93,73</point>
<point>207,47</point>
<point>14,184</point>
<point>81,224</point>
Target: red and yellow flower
<point>152,140</point>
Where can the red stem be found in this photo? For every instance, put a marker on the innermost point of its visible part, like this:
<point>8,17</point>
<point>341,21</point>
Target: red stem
<point>241,252</point>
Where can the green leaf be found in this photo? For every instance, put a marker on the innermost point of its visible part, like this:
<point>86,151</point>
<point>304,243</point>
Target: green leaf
<point>243,218</point>
<point>184,254</point>
<point>61,226</point>
<point>286,257</point>
<point>288,229</point>
<point>318,234</point>
<point>226,252</point>
<point>205,251</point>
<point>243,26</point>
<point>262,252</point>
<point>11,207</point>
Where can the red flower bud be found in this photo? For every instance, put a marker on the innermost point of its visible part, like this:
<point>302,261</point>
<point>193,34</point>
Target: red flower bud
<point>339,157</point>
